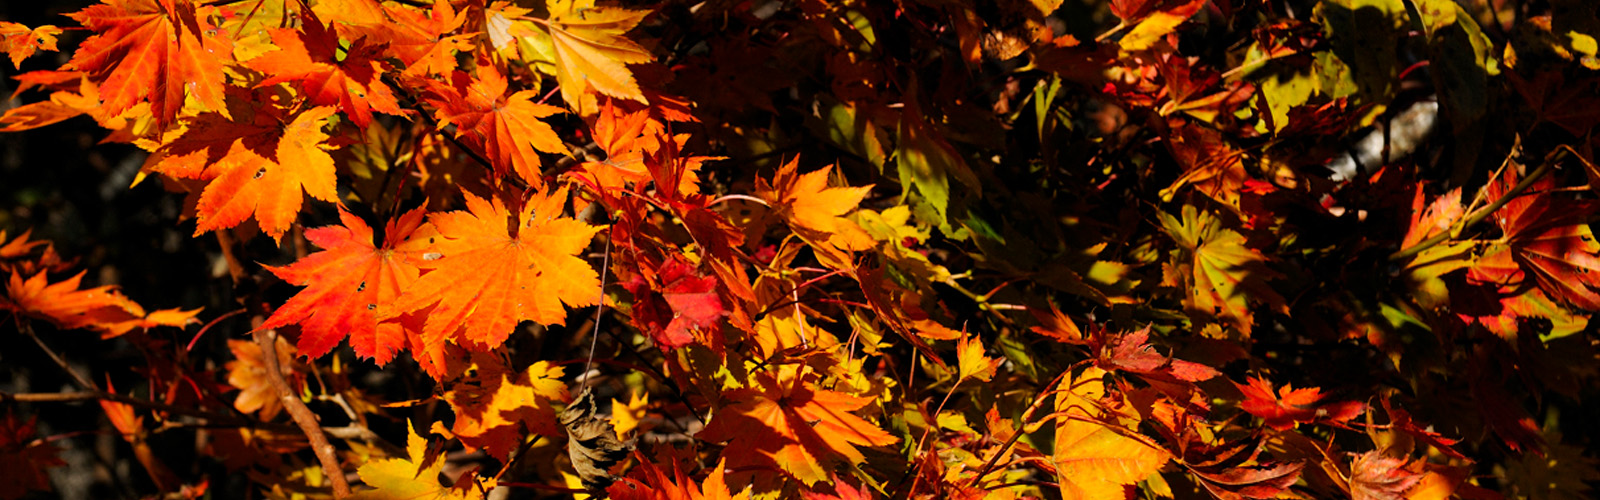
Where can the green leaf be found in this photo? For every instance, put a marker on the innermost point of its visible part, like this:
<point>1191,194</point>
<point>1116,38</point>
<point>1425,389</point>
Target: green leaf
<point>927,162</point>
<point>1459,57</point>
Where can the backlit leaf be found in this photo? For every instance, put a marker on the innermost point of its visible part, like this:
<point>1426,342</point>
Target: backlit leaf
<point>486,278</point>
<point>157,50</point>
<point>348,281</point>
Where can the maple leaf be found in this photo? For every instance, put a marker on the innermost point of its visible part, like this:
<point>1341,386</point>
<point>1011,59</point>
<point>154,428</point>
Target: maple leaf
<point>21,42</point>
<point>1092,460</point>
<point>674,301</point>
<point>1057,326</point>
<point>1132,352</point>
<point>628,131</point>
<point>418,35</point>
<point>501,126</point>
<point>1211,166</point>
<point>24,458</point>
<point>1221,274</point>
<point>1553,243</point>
<point>1374,476</point>
<point>1427,268</point>
<point>415,476</point>
<point>971,362</point>
<point>248,373</point>
<point>786,420</point>
<point>1255,482</point>
<point>590,51</point>
<point>17,255</point>
<point>131,426</point>
<point>495,407</point>
<point>815,211</point>
<point>1289,406</point>
<point>1235,470</point>
<point>487,278</point>
<point>155,50</point>
<point>630,416</point>
<point>348,281</point>
<point>263,168</point>
<point>309,57</point>
<point>103,309</point>
<point>649,482</point>
<point>1158,23</point>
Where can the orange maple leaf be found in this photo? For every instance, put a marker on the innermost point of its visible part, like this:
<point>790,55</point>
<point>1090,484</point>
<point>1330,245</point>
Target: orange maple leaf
<point>18,255</point>
<point>346,283</point>
<point>417,35</point>
<point>649,482</point>
<point>155,50</point>
<point>487,277</point>
<point>103,308</point>
<point>502,127</point>
<point>248,373</point>
<point>263,168</point>
<point>628,131</point>
<point>20,41</point>
<point>815,211</point>
<point>786,420</point>
<point>310,57</point>
<point>1094,460</point>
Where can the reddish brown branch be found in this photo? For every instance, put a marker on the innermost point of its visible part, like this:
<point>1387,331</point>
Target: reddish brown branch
<point>302,415</point>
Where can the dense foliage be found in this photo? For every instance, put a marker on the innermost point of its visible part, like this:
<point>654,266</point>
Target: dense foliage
<point>1234,249</point>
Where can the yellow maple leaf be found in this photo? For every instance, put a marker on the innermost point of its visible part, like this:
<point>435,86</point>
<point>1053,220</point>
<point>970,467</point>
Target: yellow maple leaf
<point>495,408</point>
<point>590,51</point>
<point>1093,460</point>
<point>414,477</point>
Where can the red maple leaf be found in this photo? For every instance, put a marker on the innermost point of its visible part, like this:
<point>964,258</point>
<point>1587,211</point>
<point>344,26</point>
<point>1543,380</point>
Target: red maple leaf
<point>1289,406</point>
<point>24,458</point>
<point>674,301</point>
<point>1374,476</point>
<point>347,281</point>
<point>1551,242</point>
<point>1132,352</point>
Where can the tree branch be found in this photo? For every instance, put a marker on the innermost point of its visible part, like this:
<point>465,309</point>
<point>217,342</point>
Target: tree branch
<point>302,415</point>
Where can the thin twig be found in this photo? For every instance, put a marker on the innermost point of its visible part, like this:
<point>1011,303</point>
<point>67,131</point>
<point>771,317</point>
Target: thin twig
<point>599,309</point>
<point>93,391</point>
<point>1021,429</point>
<point>1485,212</point>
